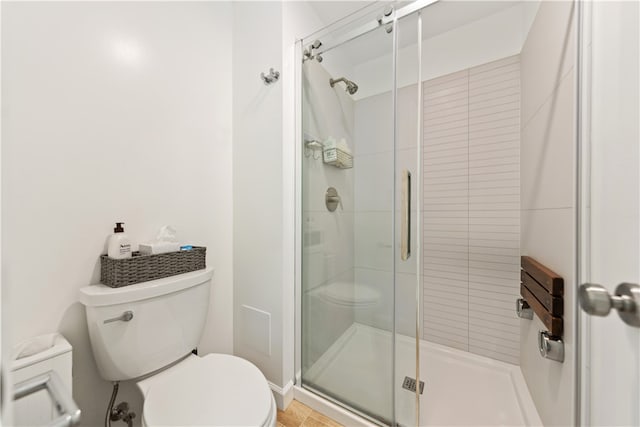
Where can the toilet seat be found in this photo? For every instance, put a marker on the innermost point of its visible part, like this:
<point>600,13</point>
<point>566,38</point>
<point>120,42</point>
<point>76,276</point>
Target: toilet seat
<point>214,390</point>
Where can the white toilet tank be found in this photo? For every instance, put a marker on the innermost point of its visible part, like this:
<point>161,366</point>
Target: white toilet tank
<point>165,323</point>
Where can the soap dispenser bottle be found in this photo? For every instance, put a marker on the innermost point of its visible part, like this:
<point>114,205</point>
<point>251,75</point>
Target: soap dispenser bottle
<point>119,245</point>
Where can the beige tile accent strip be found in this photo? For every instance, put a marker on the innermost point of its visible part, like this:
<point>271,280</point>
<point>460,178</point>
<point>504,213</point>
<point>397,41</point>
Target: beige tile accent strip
<point>471,209</point>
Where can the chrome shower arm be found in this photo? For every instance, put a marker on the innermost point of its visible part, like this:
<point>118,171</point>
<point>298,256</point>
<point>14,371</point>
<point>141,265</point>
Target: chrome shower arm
<point>333,82</point>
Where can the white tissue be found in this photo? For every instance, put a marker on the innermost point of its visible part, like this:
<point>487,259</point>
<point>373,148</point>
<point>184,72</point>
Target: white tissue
<point>165,242</point>
<point>166,234</point>
<point>33,346</point>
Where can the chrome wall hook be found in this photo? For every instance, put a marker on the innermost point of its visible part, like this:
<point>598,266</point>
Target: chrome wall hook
<point>272,77</point>
<point>523,310</point>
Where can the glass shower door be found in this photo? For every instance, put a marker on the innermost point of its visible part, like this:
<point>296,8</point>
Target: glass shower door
<point>348,252</point>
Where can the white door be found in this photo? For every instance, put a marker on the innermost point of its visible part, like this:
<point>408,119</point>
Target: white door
<point>611,348</point>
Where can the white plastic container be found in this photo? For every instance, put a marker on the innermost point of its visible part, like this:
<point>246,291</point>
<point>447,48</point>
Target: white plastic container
<point>119,244</point>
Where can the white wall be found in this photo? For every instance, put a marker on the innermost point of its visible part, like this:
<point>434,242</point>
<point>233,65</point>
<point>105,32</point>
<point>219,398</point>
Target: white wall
<point>547,194</point>
<point>108,116</point>
<point>264,161</point>
<point>298,20</point>
<point>258,188</point>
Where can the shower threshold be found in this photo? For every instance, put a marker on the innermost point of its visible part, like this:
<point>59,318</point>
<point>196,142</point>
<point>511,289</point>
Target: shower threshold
<point>460,388</point>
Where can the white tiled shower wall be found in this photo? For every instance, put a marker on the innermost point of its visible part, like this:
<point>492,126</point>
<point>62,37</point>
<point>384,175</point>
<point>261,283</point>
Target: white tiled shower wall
<point>471,213</point>
<point>470,201</point>
<point>500,35</point>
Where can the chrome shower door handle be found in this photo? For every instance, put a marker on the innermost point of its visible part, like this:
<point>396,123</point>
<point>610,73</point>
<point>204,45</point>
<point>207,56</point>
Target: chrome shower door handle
<point>124,317</point>
<point>405,227</point>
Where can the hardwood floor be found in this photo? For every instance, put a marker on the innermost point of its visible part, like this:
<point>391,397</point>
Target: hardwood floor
<point>299,415</point>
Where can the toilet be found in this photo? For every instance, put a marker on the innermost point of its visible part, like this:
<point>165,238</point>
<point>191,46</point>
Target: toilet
<point>147,333</point>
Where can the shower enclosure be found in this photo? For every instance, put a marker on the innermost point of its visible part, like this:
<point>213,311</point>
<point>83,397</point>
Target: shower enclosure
<point>360,256</point>
<point>409,214</point>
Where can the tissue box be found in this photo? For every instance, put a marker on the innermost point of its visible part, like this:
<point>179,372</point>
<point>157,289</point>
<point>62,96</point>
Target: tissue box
<point>158,248</point>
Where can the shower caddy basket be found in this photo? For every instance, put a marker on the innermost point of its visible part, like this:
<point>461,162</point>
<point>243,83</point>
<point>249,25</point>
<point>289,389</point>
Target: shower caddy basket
<point>338,158</point>
<point>142,268</point>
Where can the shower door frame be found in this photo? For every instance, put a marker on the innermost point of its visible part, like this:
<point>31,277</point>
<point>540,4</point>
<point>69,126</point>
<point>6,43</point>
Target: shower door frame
<point>337,412</point>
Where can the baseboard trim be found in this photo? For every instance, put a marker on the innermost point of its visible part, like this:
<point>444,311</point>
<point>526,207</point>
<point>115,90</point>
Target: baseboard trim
<point>283,395</point>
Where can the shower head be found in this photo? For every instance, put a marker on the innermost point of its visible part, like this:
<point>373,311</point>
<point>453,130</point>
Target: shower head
<point>351,87</point>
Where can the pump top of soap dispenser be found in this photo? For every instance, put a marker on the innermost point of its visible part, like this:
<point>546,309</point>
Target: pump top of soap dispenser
<point>119,228</point>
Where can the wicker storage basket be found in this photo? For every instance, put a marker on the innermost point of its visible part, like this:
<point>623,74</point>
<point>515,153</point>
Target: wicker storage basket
<point>142,268</point>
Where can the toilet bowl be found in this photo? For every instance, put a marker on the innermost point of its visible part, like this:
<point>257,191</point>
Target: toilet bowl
<point>209,390</point>
<point>146,333</point>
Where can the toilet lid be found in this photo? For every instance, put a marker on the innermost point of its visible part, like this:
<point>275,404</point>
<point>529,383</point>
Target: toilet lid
<point>219,390</point>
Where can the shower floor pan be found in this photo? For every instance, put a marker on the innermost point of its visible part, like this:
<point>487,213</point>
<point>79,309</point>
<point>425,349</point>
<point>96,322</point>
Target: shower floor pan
<point>461,389</point>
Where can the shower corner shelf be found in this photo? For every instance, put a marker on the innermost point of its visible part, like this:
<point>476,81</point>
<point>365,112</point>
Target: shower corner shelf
<point>338,158</point>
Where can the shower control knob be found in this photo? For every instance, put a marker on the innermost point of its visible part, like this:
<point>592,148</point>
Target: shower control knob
<point>596,301</point>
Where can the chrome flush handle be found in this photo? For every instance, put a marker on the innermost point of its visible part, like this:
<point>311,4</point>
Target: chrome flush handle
<point>124,317</point>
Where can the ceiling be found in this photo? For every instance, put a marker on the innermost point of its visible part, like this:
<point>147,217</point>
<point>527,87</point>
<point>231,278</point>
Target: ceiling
<point>437,18</point>
<point>331,11</point>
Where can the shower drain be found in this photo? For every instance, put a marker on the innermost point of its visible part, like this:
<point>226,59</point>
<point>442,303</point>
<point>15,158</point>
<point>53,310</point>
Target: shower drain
<point>410,384</point>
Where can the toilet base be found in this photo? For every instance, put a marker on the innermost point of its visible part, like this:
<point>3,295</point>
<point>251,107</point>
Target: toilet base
<point>271,423</point>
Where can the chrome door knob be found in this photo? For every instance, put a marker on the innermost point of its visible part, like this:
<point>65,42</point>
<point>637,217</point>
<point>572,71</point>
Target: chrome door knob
<point>596,301</point>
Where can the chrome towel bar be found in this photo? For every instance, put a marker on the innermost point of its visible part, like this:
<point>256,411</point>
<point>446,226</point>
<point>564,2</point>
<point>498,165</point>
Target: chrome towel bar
<point>62,399</point>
